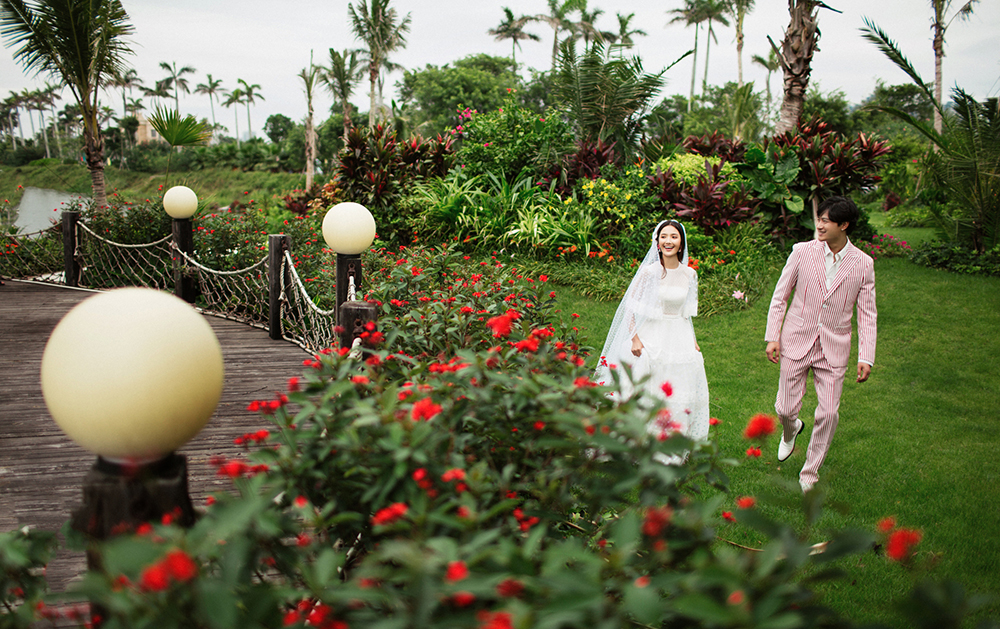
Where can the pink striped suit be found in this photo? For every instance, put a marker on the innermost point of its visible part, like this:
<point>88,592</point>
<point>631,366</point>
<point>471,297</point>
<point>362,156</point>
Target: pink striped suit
<point>817,335</point>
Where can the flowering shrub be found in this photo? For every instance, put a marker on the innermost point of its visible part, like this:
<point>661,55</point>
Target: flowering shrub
<point>884,246</point>
<point>512,141</point>
<point>23,555</point>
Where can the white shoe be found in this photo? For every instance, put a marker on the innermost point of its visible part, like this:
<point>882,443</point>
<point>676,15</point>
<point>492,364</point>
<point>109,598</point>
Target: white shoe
<point>785,448</point>
<point>806,487</point>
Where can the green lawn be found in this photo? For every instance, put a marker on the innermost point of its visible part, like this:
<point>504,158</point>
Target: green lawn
<point>917,441</point>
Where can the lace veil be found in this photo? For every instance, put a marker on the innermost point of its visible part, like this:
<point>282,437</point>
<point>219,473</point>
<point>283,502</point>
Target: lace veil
<point>641,302</point>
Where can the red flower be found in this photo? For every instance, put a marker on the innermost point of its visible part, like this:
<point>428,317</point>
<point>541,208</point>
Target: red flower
<point>885,525</point>
<point>463,512</point>
<point>293,384</point>
<point>760,425</point>
<point>291,618</point>
<point>642,582</point>
<point>539,425</point>
<point>500,325</point>
<point>390,514</point>
<point>714,421</point>
<point>154,578</point>
<point>656,520</point>
<point>901,544</point>
<point>583,381</point>
<point>301,502</point>
<point>728,516</point>
<point>746,502</point>
<point>736,598</point>
<point>509,588</point>
<point>753,452</point>
<point>667,389</point>
<point>456,571</point>
<point>180,566</point>
<point>302,540</point>
<point>360,379</point>
<point>543,278</point>
<point>463,599</point>
<point>144,529</point>
<point>494,620</point>
<point>527,345</point>
<point>455,473</point>
<point>425,409</point>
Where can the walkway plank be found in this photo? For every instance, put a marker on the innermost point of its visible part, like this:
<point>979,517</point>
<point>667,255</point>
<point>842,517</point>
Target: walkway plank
<point>41,470</point>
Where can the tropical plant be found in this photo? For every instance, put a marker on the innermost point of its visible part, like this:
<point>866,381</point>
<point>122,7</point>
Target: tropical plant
<point>235,98</point>
<point>512,141</point>
<point>177,81</point>
<point>213,89</point>
<point>797,49</point>
<point>250,94</point>
<point>771,65</point>
<point>81,43</point>
<point>940,22</point>
<point>177,131</point>
<point>967,163</point>
<point>690,14</point>
<point>606,97</point>
<point>512,28</point>
<point>340,78</point>
<point>383,32</point>
<point>713,11</point>
<point>310,76</point>
<point>558,19</point>
<point>739,10</point>
<point>625,34</point>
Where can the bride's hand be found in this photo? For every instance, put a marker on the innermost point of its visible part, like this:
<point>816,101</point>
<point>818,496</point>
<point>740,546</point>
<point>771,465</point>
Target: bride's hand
<point>696,347</point>
<point>636,346</point>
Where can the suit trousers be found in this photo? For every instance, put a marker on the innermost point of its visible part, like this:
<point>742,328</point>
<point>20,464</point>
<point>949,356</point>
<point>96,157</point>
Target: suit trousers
<point>829,382</point>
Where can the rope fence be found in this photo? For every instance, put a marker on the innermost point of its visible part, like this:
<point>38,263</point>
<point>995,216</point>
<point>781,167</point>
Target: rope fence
<point>268,294</point>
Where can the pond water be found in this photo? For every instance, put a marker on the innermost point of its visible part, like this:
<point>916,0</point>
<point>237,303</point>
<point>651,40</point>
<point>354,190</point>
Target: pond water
<point>39,207</point>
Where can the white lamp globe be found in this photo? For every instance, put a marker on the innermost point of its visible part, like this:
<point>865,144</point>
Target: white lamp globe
<point>132,374</point>
<point>349,228</point>
<point>180,202</point>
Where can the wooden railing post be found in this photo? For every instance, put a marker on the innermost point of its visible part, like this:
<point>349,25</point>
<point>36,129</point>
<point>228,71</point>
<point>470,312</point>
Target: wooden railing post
<point>71,266</point>
<point>348,266</point>
<point>185,285</point>
<point>277,244</point>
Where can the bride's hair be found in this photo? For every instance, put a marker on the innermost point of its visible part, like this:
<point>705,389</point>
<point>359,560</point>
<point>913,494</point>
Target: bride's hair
<point>680,230</point>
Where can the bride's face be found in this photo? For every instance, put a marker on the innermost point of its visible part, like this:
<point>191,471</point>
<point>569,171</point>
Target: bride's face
<point>669,241</point>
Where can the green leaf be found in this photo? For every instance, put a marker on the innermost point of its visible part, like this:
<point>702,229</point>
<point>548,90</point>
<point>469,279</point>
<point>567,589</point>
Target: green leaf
<point>702,607</point>
<point>179,131</point>
<point>847,542</point>
<point>643,603</point>
<point>216,603</point>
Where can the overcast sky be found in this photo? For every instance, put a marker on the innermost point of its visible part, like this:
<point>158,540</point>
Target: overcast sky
<point>268,43</point>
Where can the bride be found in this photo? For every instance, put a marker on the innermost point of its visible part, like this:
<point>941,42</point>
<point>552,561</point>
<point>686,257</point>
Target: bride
<point>652,332</point>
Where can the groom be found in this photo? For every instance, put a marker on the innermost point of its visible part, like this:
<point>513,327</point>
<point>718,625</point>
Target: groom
<point>829,277</point>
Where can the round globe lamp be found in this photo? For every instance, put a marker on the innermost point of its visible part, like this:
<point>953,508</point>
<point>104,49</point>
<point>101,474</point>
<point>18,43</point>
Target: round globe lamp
<point>180,202</point>
<point>132,374</point>
<point>349,228</point>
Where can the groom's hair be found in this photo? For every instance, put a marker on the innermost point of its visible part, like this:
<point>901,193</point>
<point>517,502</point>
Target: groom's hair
<point>840,210</point>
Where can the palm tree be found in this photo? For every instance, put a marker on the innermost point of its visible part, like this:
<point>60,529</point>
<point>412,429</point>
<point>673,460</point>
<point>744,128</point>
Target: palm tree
<point>135,106</point>
<point>235,97</point>
<point>691,14</point>
<point>159,91</point>
<point>212,88</point>
<point>177,80</point>
<point>310,76</point>
<point>378,26</point>
<point>126,81</point>
<point>513,29</point>
<point>713,10</point>
<point>739,10</point>
<point>625,32</point>
<point>586,27</point>
<point>10,105</point>
<point>795,57</point>
<point>344,73</point>
<point>558,19</point>
<point>939,24</point>
<point>81,43</point>
<point>770,64</point>
<point>250,96</point>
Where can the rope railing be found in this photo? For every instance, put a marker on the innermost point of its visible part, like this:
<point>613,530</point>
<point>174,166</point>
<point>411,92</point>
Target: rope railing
<point>268,294</point>
<point>36,256</point>
<point>108,264</point>
<point>303,322</point>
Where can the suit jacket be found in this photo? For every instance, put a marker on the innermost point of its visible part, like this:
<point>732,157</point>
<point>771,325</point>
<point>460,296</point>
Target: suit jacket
<point>820,312</point>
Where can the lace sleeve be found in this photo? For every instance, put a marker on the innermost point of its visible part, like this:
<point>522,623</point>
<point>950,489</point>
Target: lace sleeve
<point>690,308</point>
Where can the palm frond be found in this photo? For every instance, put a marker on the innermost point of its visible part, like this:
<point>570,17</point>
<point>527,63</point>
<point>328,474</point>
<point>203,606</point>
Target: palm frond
<point>873,33</point>
<point>177,131</point>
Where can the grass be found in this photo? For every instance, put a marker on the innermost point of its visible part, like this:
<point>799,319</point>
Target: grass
<point>214,186</point>
<point>917,441</point>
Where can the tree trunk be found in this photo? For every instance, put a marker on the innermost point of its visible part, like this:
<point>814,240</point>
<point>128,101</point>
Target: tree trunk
<point>938,56</point>
<point>555,46</point>
<point>815,204</point>
<point>708,49</point>
<point>373,79</point>
<point>45,133</point>
<point>694,67</point>
<point>94,150</point>
<point>346,105</point>
<point>310,148</point>
<point>739,48</point>
<point>797,50</point>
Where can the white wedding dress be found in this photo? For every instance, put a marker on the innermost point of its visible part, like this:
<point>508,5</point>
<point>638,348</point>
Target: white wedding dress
<point>669,354</point>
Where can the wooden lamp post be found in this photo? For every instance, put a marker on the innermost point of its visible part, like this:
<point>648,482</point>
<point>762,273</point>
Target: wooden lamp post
<point>132,375</point>
<point>349,229</point>
<point>181,203</point>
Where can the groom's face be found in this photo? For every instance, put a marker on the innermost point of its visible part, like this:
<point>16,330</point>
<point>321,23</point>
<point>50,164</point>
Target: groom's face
<point>830,231</point>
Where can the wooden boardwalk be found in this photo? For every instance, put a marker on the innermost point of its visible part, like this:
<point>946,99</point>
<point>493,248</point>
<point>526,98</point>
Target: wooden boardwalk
<point>41,470</point>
